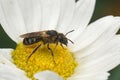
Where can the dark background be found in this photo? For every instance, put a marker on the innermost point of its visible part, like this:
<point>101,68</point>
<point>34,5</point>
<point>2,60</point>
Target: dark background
<point>103,8</point>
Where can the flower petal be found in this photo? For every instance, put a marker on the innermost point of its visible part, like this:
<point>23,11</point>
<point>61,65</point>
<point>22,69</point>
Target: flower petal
<point>103,39</point>
<point>6,53</point>
<point>82,15</point>
<point>11,19</point>
<point>8,70</point>
<point>110,25</point>
<point>4,59</point>
<point>50,13</point>
<point>47,75</point>
<point>91,76</point>
<point>66,14</point>
<point>99,62</point>
<point>103,59</point>
<point>31,11</point>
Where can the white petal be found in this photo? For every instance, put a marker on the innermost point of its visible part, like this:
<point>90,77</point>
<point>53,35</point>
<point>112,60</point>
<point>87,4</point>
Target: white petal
<point>47,75</point>
<point>94,31</point>
<point>4,59</point>
<point>8,70</point>
<point>11,19</point>
<point>66,15</point>
<point>50,13</point>
<point>91,76</point>
<point>31,11</point>
<point>104,59</point>
<point>103,39</point>
<point>82,15</point>
<point>6,53</point>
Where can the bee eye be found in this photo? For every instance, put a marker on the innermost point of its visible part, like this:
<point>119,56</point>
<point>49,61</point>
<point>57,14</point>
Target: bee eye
<point>62,39</point>
<point>52,33</point>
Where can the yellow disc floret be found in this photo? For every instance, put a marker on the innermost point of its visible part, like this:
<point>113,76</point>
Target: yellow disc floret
<point>62,62</point>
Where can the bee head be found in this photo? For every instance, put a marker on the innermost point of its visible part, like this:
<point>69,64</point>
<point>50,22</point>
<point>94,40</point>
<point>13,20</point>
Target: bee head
<point>62,39</point>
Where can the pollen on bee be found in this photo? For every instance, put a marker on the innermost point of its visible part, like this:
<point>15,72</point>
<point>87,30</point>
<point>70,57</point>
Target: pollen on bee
<point>42,60</point>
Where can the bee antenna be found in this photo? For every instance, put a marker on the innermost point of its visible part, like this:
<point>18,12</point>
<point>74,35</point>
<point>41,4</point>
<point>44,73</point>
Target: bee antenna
<point>69,32</point>
<point>71,41</point>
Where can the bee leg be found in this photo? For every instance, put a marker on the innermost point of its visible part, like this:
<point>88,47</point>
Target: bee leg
<point>33,52</point>
<point>55,46</point>
<point>62,45</point>
<point>51,52</point>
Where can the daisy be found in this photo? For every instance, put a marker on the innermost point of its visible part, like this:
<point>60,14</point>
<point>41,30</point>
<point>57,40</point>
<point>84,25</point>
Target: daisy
<point>96,48</point>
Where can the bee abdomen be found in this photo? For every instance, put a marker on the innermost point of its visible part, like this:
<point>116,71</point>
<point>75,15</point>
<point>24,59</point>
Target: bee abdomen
<point>31,40</point>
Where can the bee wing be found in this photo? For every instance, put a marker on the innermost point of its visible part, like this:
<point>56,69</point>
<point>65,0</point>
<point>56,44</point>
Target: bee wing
<point>35,34</point>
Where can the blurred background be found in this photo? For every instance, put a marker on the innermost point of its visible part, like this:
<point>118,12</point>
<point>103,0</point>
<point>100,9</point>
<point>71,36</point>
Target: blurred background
<point>103,8</point>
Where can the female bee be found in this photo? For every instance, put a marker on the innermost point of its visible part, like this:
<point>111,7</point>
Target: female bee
<point>47,37</point>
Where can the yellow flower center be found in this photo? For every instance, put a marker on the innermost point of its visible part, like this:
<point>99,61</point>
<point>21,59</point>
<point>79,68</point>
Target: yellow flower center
<point>62,61</point>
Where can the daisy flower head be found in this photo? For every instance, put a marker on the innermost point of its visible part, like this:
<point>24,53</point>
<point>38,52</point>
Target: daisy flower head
<point>46,52</point>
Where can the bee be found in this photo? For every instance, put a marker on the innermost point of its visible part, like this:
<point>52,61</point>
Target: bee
<point>47,37</point>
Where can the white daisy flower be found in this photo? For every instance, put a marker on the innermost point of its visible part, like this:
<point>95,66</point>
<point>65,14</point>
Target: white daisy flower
<point>96,48</point>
